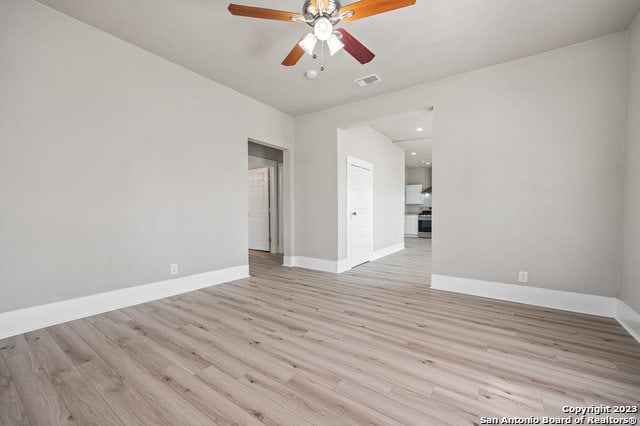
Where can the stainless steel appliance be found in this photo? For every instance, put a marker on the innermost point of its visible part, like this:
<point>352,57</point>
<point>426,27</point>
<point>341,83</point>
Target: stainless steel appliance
<point>424,224</point>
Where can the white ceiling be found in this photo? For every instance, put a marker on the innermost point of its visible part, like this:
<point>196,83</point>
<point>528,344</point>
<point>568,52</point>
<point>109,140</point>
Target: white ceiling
<point>402,129</point>
<point>428,41</point>
<point>423,156</point>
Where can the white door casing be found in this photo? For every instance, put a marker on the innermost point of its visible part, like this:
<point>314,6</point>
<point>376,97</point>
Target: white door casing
<point>359,211</point>
<point>273,211</point>
<point>259,209</point>
<point>280,209</point>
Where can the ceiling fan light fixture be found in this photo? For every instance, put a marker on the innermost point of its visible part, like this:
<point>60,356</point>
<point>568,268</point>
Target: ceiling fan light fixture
<point>308,43</point>
<point>335,45</point>
<point>323,28</point>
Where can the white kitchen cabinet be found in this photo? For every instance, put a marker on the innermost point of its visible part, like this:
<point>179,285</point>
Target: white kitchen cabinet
<point>411,225</point>
<point>413,194</point>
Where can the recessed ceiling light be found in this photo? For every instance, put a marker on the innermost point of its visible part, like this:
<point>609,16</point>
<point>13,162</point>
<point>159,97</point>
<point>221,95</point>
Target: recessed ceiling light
<point>419,129</point>
<point>428,163</point>
<point>413,153</point>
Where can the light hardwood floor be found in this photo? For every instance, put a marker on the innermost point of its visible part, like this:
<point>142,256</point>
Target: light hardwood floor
<point>292,346</point>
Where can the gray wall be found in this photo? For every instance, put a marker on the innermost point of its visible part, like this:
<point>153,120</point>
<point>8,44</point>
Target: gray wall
<point>365,143</point>
<point>630,287</point>
<point>110,165</point>
<point>418,175</point>
<point>532,179</point>
<point>114,163</point>
<point>527,162</point>
<point>316,201</point>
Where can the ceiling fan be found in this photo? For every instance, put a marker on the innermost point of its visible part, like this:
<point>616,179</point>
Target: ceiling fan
<point>323,16</point>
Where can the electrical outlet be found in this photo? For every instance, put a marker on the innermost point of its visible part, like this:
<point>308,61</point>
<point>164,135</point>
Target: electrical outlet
<point>523,276</point>
<point>174,269</point>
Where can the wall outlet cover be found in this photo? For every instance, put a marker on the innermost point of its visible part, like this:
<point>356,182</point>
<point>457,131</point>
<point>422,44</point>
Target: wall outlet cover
<point>174,269</point>
<point>523,276</point>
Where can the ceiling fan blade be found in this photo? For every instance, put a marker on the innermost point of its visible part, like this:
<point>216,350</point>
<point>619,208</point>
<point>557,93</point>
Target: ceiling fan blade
<point>294,56</point>
<point>365,8</point>
<point>259,12</point>
<point>355,48</point>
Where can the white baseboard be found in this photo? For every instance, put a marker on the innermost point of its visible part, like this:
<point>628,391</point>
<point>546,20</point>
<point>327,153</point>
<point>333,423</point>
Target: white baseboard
<point>377,254</point>
<point>316,264</point>
<point>343,265</point>
<point>334,266</point>
<point>312,263</point>
<point>36,317</point>
<point>629,319</point>
<point>556,299</point>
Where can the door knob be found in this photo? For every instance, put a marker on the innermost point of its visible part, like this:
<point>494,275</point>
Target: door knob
<point>353,213</point>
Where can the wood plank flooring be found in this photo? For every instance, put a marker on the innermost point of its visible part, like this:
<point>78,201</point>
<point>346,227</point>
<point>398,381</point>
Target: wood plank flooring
<point>290,346</point>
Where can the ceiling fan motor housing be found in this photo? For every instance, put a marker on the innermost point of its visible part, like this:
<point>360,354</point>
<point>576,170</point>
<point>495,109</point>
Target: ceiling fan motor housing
<point>311,12</point>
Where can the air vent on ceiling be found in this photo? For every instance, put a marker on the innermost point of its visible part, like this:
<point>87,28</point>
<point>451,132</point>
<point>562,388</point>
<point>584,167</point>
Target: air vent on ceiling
<point>367,80</point>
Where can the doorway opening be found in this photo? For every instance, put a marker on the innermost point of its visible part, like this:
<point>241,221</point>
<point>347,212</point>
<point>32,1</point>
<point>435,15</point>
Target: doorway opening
<point>400,147</point>
<point>266,198</point>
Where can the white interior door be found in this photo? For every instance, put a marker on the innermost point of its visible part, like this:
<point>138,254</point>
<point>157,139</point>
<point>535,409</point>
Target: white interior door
<point>360,206</point>
<point>259,209</point>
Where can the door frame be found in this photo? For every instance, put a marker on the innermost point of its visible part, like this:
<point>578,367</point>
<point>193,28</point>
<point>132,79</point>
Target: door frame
<point>273,211</point>
<point>280,174</point>
<point>352,161</point>
<point>287,226</point>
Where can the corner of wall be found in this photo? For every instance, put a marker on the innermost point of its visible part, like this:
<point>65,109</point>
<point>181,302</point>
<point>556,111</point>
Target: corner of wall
<point>629,277</point>
<point>629,319</point>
